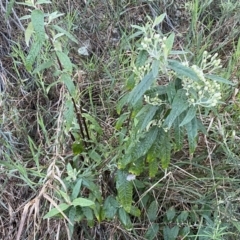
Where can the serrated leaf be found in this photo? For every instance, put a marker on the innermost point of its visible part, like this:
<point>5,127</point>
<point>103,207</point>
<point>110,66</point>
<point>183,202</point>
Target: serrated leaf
<point>178,133</point>
<point>125,189</point>
<point>135,211</point>
<point>145,116</point>
<point>141,88</point>
<point>37,17</point>
<point>179,105</point>
<point>33,53</point>
<point>153,167</point>
<point>191,113</point>
<point>76,189</point>
<point>82,202</point>
<point>152,231</point>
<point>28,33</point>
<point>94,123</point>
<point>144,144</point>
<point>67,80</point>
<point>141,58</point>
<point>165,149</point>
<point>159,19</point>
<point>137,166</point>
<point>61,30</point>
<point>219,79</point>
<point>182,70</point>
<point>110,207</point>
<point>43,66</point>
<point>192,128</point>
<point>171,213</point>
<point>53,212</point>
<point>152,211</point>
<point>65,61</point>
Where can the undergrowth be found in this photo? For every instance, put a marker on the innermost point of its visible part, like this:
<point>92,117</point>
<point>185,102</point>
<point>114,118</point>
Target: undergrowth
<point>119,120</point>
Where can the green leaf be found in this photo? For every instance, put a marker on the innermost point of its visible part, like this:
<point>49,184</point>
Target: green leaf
<point>125,189</point>
<point>9,8</point>
<point>121,120</point>
<point>39,2</point>
<point>43,66</point>
<point>141,88</point>
<point>121,103</point>
<point>137,166</point>
<point>171,213</point>
<point>82,202</point>
<point>144,144</point>
<point>165,149</point>
<point>169,44</point>
<point>68,114</point>
<point>192,128</point>
<point>66,79</point>
<point>135,211</point>
<point>37,18</point>
<point>88,213</point>
<point>124,218</point>
<point>159,19</point>
<point>69,35</point>
<point>94,123</point>
<point>183,216</point>
<point>110,207</point>
<point>93,188</point>
<point>152,211</point>
<point>219,79</point>
<point>33,53</point>
<point>179,105</point>
<point>170,233</point>
<point>65,61</point>
<point>71,216</point>
<point>28,33</point>
<point>155,68</point>
<point>141,58</point>
<point>153,167</point>
<point>65,196</point>
<point>182,70</point>
<point>76,189</point>
<point>53,212</point>
<point>191,113</point>
<point>178,133</point>
<point>152,231</point>
<point>77,147</point>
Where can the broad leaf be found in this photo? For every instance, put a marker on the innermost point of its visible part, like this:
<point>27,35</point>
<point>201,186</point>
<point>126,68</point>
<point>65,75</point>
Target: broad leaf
<point>125,189</point>
<point>110,207</point>
<point>152,231</point>
<point>124,218</point>
<point>152,211</point>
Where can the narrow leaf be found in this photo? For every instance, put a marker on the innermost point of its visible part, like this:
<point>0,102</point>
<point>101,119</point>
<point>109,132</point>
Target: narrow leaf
<point>191,113</point>
<point>33,53</point>
<point>159,19</point>
<point>69,35</point>
<point>182,70</point>
<point>83,202</point>
<point>191,128</point>
<point>65,61</point>
<point>141,88</point>
<point>66,79</point>
<point>219,79</point>
<point>76,189</point>
<point>53,212</point>
<point>37,17</point>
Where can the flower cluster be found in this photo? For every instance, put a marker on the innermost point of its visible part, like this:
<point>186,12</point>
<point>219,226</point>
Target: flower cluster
<point>156,101</point>
<point>204,92</point>
<point>154,45</point>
